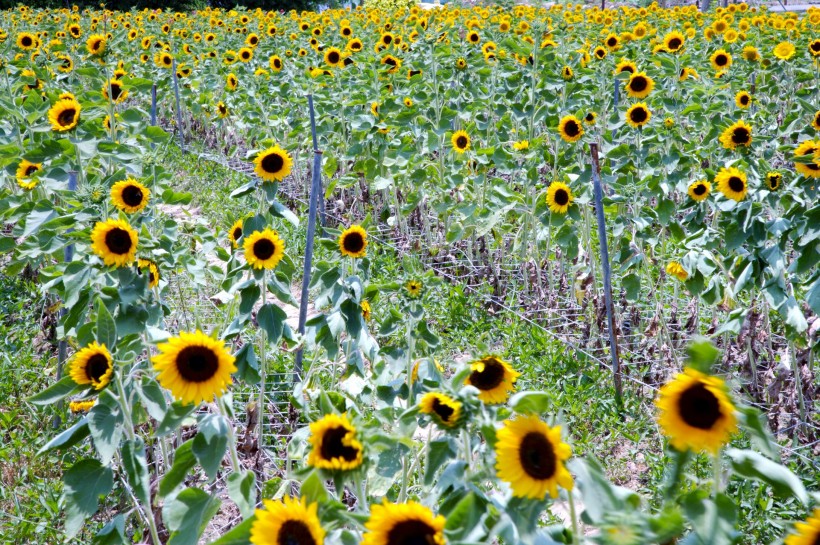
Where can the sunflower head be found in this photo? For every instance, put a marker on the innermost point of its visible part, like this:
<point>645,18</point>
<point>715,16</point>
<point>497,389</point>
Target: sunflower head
<point>235,233</point>
<point>413,288</point>
<point>114,90</point>
<point>699,190</point>
<point>559,197</point>
<point>353,242</point>
<point>443,410</point>
<point>639,85</point>
<point>815,122</point>
<point>273,164</point>
<point>814,47</point>
<point>721,60</point>
<point>92,365</point>
<point>115,242</point>
<point>743,100</point>
<point>333,57</point>
<point>96,44</point>
<point>287,521</point>
<point>737,134</point>
<point>570,128</point>
<point>25,171</point>
<point>82,406</point>
<point>696,412</point>
<point>493,377</point>
<point>530,456</point>
<point>809,147</point>
<point>674,268</point>
<point>404,523</point>
<point>194,367</point>
<point>334,443</point>
<point>460,141</point>
<point>673,41</point>
<point>130,196</point>
<point>64,115</point>
<point>774,179</point>
<point>784,51</point>
<point>366,310</point>
<point>731,182</point>
<point>806,533</point>
<point>264,249</point>
<point>149,266</point>
<point>638,115</point>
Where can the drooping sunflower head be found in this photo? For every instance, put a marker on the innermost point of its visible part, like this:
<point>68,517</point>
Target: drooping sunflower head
<point>353,242</point>
<point>809,147</point>
<point>114,90</point>
<point>413,288</point>
<point>784,51</point>
<point>530,457</point>
<point>130,196</point>
<point>403,524</point>
<point>264,249</point>
<point>334,443</point>
<point>95,44</point>
<point>115,242</point>
<point>149,266</point>
<point>444,410</point>
<point>460,141</point>
<point>696,412</point>
<point>559,197</point>
<point>92,365</point>
<point>194,367</point>
<point>287,522</point>
<point>774,179</point>
<point>570,128</point>
<point>721,60</point>
<point>737,134</point>
<point>743,99</point>
<point>699,190</point>
<point>273,164</point>
<point>638,115</point>
<point>806,533</point>
<point>392,63</point>
<point>674,268</point>
<point>673,41</point>
<point>82,406</point>
<point>732,183</point>
<point>64,115</point>
<point>493,377</point>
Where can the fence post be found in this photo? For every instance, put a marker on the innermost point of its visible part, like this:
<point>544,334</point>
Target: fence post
<point>607,273</point>
<point>179,112</point>
<point>315,196</point>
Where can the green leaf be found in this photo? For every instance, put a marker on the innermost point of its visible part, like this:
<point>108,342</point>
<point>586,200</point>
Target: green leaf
<point>701,355</point>
<point>105,425</point>
<point>211,443</point>
<point>113,533</point>
<point>69,437</point>
<point>85,482</point>
<point>43,213</point>
<point>174,416</point>
<point>247,367</point>
<point>601,497</point>
<point>153,400</point>
<point>62,389</point>
<point>187,514</point>
<point>106,327</point>
<point>184,461</point>
<point>464,517</point>
<point>242,490</point>
<point>755,424</point>
<point>752,465</point>
<point>271,319</point>
<point>439,451</point>
<point>136,468</point>
<point>240,535</point>
<point>530,402</point>
<point>279,210</point>
<point>313,489</point>
<point>712,520</point>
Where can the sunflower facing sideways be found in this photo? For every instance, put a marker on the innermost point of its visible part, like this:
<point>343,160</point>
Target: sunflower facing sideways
<point>700,190</point>
<point>95,44</point>
<point>570,128</point>
<point>460,141</point>
<point>353,242</point>
<point>25,170</point>
<point>815,121</point>
<point>149,266</point>
<point>264,249</point>
<point>696,412</point>
<point>403,523</point>
<point>64,115</point>
<point>273,164</point>
<point>92,365</point>
<point>194,367</point>
<point>530,457</point>
<point>334,443</point>
<point>674,268</point>
<point>287,521</point>
<point>443,410</point>
<point>130,196</point>
<point>807,533</point>
<point>737,134</point>
<point>812,148</point>
<point>638,115</point>
<point>115,242</point>
<point>235,233</point>
<point>559,197</point>
<point>732,183</point>
<point>494,378</point>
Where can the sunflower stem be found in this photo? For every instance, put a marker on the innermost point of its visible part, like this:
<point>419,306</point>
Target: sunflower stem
<point>361,494</point>
<point>716,470</point>
<point>574,517</point>
<point>263,371</point>
<point>798,386</point>
<point>223,408</point>
<point>468,448</point>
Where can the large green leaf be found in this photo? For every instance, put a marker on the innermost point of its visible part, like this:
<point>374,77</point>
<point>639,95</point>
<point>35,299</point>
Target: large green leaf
<point>242,490</point>
<point>62,389</point>
<point>187,514</point>
<point>85,482</point>
<point>106,327</point>
<point>136,468</point>
<point>69,437</point>
<point>105,424</point>
<point>271,319</point>
<point>211,443</point>
<point>184,460</point>
<point>752,465</point>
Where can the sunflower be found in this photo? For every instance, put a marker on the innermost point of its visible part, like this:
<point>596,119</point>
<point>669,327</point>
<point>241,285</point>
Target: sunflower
<point>129,195</point>
<point>117,93</point>
<point>815,122</point>
<point>674,41</point>
<point>737,134</point>
<point>570,128</point>
<point>115,242</point>
<point>443,409</point>
<point>403,524</point>
<point>64,115</point>
<point>612,41</point>
<point>696,412</point>
<point>231,82</point>
<point>394,63</point>
<point>732,183</point>
<point>773,180</point>
<point>408,102</point>
<point>92,365</point>
<point>235,233</point>
<point>366,310</point>
<point>639,85</point>
<point>784,51</point>
<point>559,197</point>
<point>287,521</point>
<point>81,406</point>
<point>521,145</point>
<point>599,52</point>
<point>95,44</point>
<point>699,190</point>
<point>721,60</point>
<point>25,170</point>
<point>66,64</point>
<point>675,269</point>
<point>334,443</point>
<point>413,288</point>
<point>493,377</point>
<point>354,45</point>
<point>194,367</point>
<point>264,249</point>
<point>461,141</point>
<point>809,147</point>
<point>638,115</point>
<point>149,266</point>
<point>273,164</point>
<point>275,63</point>
<point>807,533</point>
<point>751,54</point>
<point>245,54</point>
<point>814,47</point>
<point>461,64</point>
<point>590,118</point>
<point>27,41</point>
<point>353,242</point>
<point>530,457</point>
<point>333,57</point>
<point>743,99</point>
<point>221,110</point>
<point>625,66</point>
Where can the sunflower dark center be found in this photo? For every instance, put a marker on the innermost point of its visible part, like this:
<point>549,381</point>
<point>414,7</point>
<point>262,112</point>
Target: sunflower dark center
<point>674,43</point>
<point>699,407</point>
<point>612,42</point>
<point>390,60</point>
<point>461,141</point>
<point>237,233</point>
<point>489,378</point>
<point>572,128</point>
<point>294,532</point>
<point>736,184</point>
<point>333,57</point>
<point>264,249</point>
<point>334,447</point>
<point>537,456</point>
<point>561,197</point>
<point>273,163</point>
<point>638,115</point>
<point>118,241</point>
<point>699,189</point>
<point>116,91</point>
<point>411,532</point>
<point>414,73</point>
<point>741,135</point>
<point>246,54</point>
<point>31,169</point>
<point>353,242</point>
<point>96,367</point>
<point>132,195</point>
<point>387,39</point>
<point>197,363</point>
<point>589,117</point>
<point>721,60</point>
<point>744,99</point>
<point>638,84</point>
<point>442,410</point>
<point>95,45</point>
<point>628,69</point>
<point>815,46</point>
<point>277,63</point>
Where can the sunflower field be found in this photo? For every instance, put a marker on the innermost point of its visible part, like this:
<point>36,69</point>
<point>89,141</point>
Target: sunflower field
<point>306,278</point>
